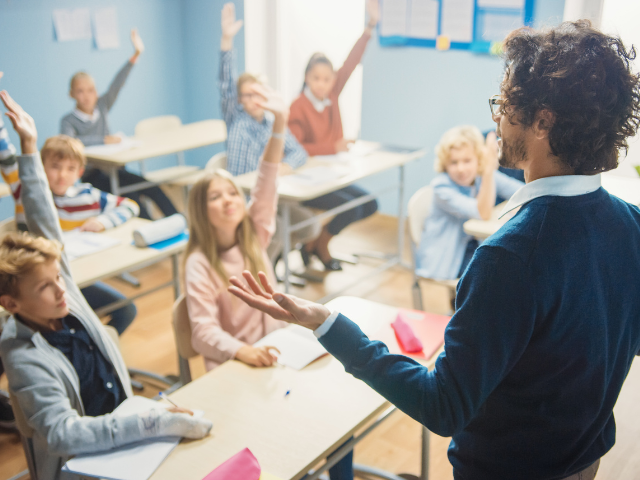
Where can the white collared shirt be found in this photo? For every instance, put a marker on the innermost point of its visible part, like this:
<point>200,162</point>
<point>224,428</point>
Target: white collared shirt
<point>85,117</point>
<point>562,186</point>
<point>319,105</point>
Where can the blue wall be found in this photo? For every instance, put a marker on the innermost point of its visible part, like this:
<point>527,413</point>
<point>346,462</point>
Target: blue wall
<point>176,75</point>
<point>411,96</point>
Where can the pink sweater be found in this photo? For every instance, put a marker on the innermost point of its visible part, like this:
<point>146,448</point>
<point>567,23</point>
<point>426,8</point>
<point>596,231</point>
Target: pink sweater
<point>220,322</point>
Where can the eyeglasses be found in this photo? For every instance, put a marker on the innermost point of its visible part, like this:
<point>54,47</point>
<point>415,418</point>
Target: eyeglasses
<point>496,104</point>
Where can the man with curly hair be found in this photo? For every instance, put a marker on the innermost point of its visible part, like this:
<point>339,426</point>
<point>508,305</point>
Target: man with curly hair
<point>546,326</point>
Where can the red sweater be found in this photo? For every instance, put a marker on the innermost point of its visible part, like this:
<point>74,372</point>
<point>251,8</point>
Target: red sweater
<point>319,131</point>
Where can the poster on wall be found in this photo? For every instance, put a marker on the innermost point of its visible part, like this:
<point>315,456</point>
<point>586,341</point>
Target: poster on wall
<point>105,26</point>
<point>72,24</point>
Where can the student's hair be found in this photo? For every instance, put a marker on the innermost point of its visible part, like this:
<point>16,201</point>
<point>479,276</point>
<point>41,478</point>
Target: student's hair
<point>202,235</point>
<point>585,79</point>
<point>457,137</point>
<point>77,76</point>
<point>317,58</point>
<point>247,77</point>
<point>63,146</point>
<point>19,254</point>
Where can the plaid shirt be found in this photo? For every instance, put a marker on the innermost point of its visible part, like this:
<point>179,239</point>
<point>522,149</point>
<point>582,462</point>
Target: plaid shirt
<point>247,138</point>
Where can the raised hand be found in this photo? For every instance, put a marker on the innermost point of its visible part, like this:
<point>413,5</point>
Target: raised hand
<point>491,154</point>
<point>136,41</point>
<point>270,99</point>
<point>278,305</point>
<point>230,26</point>
<point>22,123</point>
<point>373,9</point>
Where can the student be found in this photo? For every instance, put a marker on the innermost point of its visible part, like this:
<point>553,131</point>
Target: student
<point>89,122</point>
<point>250,128</point>
<point>64,370</point>
<point>79,206</point>
<point>316,123</point>
<point>465,188</point>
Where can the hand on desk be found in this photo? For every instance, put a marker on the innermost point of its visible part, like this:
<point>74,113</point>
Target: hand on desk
<point>342,145</point>
<point>280,306</point>
<point>110,139</point>
<point>92,225</point>
<point>257,356</point>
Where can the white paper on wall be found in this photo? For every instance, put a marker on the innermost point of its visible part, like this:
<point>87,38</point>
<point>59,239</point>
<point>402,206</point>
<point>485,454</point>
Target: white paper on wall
<point>498,26</point>
<point>457,20</point>
<point>105,25</point>
<point>423,21</point>
<point>393,18</point>
<point>72,24</point>
<point>519,4</point>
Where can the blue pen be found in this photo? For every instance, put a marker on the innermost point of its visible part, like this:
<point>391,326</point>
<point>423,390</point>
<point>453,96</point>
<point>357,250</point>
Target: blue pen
<point>162,395</point>
<point>287,394</point>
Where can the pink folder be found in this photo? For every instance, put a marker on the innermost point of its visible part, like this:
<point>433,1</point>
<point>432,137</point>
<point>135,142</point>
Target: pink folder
<point>242,466</point>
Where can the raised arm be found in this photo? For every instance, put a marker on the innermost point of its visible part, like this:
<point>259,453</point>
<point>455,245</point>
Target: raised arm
<point>109,98</point>
<point>228,75</point>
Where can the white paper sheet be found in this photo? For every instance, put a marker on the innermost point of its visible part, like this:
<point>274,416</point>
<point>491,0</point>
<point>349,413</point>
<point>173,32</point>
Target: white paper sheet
<point>362,148</point>
<point>315,176</point>
<point>72,24</point>
<point>79,244</point>
<point>137,461</point>
<point>298,346</point>
<point>127,143</point>
<point>393,18</point>
<point>497,26</point>
<point>423,21</point>
<point>501,3</point>
<point>105,25</point>
<point>457,20</point>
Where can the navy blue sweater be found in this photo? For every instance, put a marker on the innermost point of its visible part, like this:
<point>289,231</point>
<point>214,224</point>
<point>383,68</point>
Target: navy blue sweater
<point>547,327</point>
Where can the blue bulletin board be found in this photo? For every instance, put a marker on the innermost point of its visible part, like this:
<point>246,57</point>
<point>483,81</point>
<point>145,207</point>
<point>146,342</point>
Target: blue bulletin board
<point>475,25</point>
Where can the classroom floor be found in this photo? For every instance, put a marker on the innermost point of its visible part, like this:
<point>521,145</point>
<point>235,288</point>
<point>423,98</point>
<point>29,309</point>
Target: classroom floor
<point>394,445</point>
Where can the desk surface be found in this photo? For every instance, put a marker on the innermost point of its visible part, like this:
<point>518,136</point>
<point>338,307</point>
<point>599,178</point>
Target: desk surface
<point>119,258</point>
<point>187,137</point>
<point>287,435</point>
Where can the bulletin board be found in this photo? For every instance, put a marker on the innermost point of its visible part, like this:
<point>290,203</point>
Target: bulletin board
<point>475,25</point>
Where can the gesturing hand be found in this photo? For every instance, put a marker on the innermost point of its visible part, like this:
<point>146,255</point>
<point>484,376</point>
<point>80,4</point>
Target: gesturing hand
<point>278,305</point>
<point>373,9</point>
<point>491,152</point>
<point>136,41</point>
<point>23,124</point>
<point>230,26</point>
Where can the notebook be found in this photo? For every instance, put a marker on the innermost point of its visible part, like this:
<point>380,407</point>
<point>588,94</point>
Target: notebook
<point>298,346</point>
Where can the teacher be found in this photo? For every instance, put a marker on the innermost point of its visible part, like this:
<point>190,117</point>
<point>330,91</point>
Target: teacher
<point>548,311</point>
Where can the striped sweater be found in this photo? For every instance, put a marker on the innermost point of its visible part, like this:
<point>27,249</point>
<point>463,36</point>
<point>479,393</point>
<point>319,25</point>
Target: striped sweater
<point>7,150</point>
<point>80,203</point>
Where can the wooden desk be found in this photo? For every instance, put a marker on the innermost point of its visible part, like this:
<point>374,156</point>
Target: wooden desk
<point>5,191</point>
<point>187,137</point>
<point>287,435</point>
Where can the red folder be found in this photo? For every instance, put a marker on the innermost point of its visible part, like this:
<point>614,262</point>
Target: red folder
<point>242,466</point>
<point>427,327</point>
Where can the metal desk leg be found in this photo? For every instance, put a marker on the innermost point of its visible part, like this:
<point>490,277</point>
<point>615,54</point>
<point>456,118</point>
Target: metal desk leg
<point>286,244</point>
<point>115,182</point>
<point>175,270</point>
<point>424,460</point>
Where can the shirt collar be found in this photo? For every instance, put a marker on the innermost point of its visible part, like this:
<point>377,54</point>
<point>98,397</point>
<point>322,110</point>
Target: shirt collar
<point>562,186</point>
<point>85,117</point>
<point>319,105</point>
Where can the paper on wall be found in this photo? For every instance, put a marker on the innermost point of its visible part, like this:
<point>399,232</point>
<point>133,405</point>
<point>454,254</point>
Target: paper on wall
<point>519,4</point>
<point>423,21</point>
<point>393,18</point>
<point>498,26</point>
<point>72,24</point>
<point>105,25</point>
<point>457,20</point>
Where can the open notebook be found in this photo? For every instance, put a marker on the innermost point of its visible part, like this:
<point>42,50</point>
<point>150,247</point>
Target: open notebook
<point>298,346</point>
<point>136,461</point>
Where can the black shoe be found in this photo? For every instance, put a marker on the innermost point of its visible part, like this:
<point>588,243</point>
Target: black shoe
<point>306,256</point>
<point>331,265</point>
<point>7,419</point>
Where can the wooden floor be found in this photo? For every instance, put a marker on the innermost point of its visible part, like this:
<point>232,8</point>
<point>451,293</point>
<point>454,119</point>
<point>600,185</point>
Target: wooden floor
<point>393,446</point>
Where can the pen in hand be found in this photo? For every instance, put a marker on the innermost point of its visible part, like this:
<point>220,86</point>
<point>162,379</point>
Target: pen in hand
<point>177,408</point>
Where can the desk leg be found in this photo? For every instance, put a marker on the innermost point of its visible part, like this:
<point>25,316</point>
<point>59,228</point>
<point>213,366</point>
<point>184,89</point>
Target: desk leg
<point>286,244</point>
<point>425,454</point>
<point>175,270</point>
<point>401,225</point>
<point>115,183</point>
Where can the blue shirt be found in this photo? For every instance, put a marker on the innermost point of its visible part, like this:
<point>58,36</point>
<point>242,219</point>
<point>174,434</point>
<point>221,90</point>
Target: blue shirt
<point>100,389</point>
<point>247,138</point>
<point>536,355</point>
<point>443,240</point>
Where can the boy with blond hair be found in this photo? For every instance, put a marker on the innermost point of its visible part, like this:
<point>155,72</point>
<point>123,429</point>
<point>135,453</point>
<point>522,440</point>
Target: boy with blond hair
<point>79,206</point>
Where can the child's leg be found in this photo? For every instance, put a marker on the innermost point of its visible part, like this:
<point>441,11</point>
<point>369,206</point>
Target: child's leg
<point>100,294</point>
<point>155,194</point>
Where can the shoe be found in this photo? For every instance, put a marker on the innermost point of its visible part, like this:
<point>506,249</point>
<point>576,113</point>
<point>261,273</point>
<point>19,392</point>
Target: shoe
<point>306,256</point>
<point>331,265</point>
<point>7,419</point>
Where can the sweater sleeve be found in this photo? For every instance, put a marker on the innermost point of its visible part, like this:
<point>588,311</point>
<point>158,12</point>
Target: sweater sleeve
<point>455,202</point>
<point>350,64</point>
<point>208,338</point>
<point>482,344</point>
<point>264,202</point>
<point>115,210</point>
<point>298,126</point>
<point>294,154</point>
<point>7,150</point>
<point>227,84</point>
<point>117,83</point>
<point>67,128</point>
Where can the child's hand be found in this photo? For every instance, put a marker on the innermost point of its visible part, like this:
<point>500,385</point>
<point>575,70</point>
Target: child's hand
<point>92,225</point>
<point>257,356</point>
<point>22,123</point>
<point>136,41</point>
<point>373,9</point>
<point>230,26</point>
<point>342,145</point>
<point>270,99</point>
<point>110,139</point>
<point>491,153</point>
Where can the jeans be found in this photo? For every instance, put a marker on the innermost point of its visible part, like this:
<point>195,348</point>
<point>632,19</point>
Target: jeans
<point>339,197</point>
<point>297,214</point>
<point>100,294</point>
<point>100,180</point>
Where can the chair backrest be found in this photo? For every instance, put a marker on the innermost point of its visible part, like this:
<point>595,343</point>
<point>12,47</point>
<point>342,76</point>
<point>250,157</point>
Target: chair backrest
<point>418,210</point>
<point>160,124</point>
<point>219,160</point>
<point>182,329</point>
<point>7,226</point>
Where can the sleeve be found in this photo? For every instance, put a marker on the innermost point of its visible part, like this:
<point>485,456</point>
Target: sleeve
<point>117,83</point>
<point>67,128</point>
<point>115,210</point>
<point>207,335</point>
<point>243,151</point>
<point>9,170</point>
<point>350,64</point>
<point>47,409</point>
<point>298,126</point>
<point>482,344</point>
<point>506,186</point>
<point>7,150</point>
<point>227,85</point>
<point>455,203</point>
<point>294,154</point>
<point>264,202</point>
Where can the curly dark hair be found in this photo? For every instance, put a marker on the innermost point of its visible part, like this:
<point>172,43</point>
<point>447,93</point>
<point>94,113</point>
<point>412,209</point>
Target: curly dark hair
<point>584,78</point>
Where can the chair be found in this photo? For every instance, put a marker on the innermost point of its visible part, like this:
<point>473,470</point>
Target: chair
<point>418,210</point>
<point>182,332</point>
<point>219,160</point>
